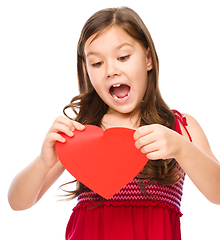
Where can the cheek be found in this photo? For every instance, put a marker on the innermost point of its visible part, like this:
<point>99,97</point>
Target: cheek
<point>95,76</point>
<point>143,81</point>
<point>140,74</point>
<point>96,83</point>
<point>92,76</point>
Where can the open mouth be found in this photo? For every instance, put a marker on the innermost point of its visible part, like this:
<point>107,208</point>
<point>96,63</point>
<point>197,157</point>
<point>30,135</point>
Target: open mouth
<point>119,91</point>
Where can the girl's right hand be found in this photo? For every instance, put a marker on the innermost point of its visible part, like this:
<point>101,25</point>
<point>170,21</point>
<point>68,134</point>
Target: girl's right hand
<point>48,156</point>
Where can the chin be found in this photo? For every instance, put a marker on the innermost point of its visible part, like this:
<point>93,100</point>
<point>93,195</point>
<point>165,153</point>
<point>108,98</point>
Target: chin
<point>125,111</point>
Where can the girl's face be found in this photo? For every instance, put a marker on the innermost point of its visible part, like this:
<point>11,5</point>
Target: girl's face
<point>117,66</point>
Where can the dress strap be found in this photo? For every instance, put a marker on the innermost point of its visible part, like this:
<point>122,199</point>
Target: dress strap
<point>180,118</point>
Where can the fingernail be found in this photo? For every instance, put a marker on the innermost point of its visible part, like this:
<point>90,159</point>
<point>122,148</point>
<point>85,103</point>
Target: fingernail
<point>82,127</point>
<point>71,133</point>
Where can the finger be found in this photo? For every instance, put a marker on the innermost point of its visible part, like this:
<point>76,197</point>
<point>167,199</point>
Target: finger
<point>145,140</point>
<point>64,121</point>
<point>155,150</point>
<point>69,123</point>
<point>78,126</point>
<point>59,127</point>
<point>141,131</point>
<point>154,155</point>
<point>152,147</point>
<point>51,138</point>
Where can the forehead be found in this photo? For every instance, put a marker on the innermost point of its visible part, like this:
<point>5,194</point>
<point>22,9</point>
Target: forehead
<point>111,38</point>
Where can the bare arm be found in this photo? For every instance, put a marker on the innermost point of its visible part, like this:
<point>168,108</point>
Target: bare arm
<point>33,181</point>
<point>196,158</point>
<point>199,162</point>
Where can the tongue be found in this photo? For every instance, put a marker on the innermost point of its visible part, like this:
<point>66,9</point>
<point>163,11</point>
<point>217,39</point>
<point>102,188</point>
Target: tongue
<point>121,91</point>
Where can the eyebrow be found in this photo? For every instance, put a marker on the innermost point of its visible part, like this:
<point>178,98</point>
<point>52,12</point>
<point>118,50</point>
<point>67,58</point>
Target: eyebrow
<point>116,48</point>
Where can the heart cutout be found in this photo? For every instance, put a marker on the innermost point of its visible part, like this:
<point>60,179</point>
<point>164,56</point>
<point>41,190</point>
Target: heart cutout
<point>104,161</point>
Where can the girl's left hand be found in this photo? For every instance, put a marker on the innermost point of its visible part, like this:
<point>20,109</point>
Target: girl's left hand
<point>158,142</point>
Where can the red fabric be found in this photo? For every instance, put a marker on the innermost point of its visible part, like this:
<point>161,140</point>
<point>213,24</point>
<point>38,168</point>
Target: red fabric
<point>151,220</point>
<point>182,119</point>
<point>124,223</point>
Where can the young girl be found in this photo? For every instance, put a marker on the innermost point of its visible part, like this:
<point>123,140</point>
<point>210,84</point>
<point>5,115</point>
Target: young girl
<point>118,72</point>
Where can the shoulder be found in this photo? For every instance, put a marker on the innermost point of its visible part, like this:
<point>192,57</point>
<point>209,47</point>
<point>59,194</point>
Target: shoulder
<point>194,128</point>
<point>197,134</point>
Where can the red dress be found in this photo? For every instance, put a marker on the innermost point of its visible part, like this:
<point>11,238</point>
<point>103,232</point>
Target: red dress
<point>130,214</point>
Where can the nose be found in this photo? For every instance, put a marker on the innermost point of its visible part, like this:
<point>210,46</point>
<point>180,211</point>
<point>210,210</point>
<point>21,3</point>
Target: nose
<point>112,69</point>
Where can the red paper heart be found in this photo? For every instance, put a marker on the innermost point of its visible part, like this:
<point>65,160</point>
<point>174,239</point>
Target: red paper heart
<point>104,161</point>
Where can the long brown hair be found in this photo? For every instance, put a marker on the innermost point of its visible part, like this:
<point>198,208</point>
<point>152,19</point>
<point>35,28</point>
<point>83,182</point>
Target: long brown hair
<point>90,108</point>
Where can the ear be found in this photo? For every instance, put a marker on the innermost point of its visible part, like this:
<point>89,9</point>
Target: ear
<point>149,60</point>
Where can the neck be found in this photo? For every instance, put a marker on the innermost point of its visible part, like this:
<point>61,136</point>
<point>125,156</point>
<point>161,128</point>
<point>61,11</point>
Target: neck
<point>120,120</point>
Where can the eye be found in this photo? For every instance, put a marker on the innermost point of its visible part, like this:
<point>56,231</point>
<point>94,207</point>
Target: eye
<point>124,58</point>
<point>98,64</point>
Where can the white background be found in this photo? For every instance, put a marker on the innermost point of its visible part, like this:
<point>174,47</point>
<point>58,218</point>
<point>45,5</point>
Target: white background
<point>38,78</point>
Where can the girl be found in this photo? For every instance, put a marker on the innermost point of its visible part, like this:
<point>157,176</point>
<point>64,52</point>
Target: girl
<point>118,80</point>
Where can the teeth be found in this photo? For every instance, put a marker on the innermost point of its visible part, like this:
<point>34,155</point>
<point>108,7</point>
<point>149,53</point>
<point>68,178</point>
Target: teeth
<point>115,97</point>
<point>117,85</point>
